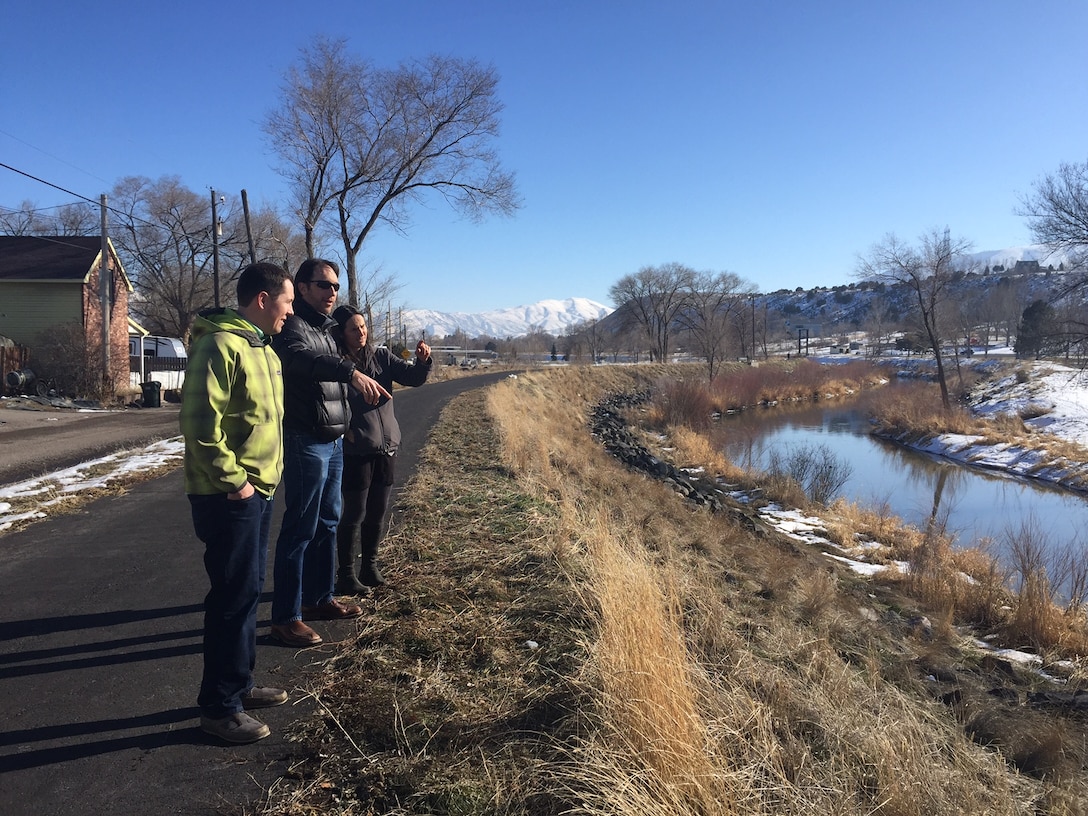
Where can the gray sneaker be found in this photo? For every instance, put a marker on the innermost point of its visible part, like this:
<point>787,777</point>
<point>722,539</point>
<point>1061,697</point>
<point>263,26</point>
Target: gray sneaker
<point>238,728</point>
<point>263,697</point>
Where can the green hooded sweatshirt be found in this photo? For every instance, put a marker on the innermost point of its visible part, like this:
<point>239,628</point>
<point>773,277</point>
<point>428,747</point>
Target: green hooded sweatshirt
<point>231,407</point>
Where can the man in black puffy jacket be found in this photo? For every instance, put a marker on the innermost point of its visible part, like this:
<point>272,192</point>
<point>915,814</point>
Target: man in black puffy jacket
<point>316,381</point>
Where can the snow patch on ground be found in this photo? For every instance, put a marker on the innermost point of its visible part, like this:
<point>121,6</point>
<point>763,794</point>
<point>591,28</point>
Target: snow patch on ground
<point>30,499</point>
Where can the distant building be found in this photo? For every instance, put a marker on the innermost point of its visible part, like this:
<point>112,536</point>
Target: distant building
<point>1027,268</point>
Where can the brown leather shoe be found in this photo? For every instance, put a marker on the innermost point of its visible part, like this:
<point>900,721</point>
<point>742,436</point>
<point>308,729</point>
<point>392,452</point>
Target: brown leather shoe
<point>332,610</point>
<point>295,633</point>
<point>263,697</point>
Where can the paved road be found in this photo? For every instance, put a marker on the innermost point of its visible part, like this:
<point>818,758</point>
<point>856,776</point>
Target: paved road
<point>100,624</point>
<point>33,442</point>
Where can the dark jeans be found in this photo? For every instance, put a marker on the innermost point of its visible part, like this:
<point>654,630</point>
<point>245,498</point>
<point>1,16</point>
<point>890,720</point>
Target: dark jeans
<point>305,566</point>
<point>235,536</point>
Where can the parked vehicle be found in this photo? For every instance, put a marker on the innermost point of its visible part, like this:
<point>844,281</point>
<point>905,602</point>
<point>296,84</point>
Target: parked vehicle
<point>168,347</point>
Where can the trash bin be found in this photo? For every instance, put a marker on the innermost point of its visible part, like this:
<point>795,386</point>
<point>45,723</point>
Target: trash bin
<point>152,394</point>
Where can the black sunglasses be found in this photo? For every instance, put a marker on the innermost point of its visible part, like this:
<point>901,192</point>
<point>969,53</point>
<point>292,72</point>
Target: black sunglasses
<point>326,285</point>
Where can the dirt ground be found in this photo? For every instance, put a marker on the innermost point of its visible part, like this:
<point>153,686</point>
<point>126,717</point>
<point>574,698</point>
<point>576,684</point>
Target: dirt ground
<point>38,438</point>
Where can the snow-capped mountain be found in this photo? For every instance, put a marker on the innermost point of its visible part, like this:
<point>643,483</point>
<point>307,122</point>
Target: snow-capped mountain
<point>552,316</point>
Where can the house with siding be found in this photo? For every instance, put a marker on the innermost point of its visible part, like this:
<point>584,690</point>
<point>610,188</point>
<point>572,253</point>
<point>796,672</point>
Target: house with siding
<point>50,283</point>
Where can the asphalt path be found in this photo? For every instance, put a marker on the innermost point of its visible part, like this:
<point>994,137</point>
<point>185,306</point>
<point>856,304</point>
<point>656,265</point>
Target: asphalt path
<point>100,655</point>
<point>36,439</point>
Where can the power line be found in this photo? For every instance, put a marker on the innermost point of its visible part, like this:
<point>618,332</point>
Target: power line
<point>50,155</point>
<point>39,209</point>
<point>121,213</point>
<point>47,183</point>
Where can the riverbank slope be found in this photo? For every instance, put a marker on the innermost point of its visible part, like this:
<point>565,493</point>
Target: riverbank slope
<point>564,635</point>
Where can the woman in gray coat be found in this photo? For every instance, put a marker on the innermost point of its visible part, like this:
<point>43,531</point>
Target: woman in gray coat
<point>370,450</point>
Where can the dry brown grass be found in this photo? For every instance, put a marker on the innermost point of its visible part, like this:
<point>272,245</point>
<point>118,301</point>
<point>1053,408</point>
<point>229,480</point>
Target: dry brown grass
<point>686,662</point>
<point>909,414</point>
<point>685,399</point>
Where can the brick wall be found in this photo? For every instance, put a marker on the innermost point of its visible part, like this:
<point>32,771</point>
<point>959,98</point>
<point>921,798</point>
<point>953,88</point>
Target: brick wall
<point>92,322</point>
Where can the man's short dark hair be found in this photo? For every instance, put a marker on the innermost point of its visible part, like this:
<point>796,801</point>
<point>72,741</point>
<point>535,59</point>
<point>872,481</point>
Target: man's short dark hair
<point>306,269</point>
<point>261,277</point>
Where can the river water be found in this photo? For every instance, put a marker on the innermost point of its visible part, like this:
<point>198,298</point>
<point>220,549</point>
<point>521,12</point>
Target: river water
<point>971,504</point>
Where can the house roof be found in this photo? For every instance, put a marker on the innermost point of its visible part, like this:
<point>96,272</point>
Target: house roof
<point>51,257</point>
<point>135,329</point>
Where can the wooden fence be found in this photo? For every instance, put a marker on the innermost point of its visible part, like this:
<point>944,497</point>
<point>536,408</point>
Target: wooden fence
<point>169,372</point>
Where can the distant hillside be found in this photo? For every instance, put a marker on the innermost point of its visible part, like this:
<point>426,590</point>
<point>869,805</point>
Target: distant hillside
<point>835,309</point>
<point>551,316</point>
<point>848,307</point>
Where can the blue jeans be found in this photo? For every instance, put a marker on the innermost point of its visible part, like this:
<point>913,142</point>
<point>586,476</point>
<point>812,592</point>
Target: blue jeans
<point>235,536</point>
<point>305,567</point>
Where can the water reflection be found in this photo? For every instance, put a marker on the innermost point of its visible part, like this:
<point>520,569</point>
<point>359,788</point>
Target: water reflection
<point>925,491</point>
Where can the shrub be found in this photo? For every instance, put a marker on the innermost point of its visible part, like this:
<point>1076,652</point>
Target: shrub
<point>63,358</point>
<point>686,402</point>
<point>815,468</point>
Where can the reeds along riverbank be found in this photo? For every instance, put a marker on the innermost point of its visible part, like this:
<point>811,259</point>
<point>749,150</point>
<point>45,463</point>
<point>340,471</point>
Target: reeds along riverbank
<point>686,399</point>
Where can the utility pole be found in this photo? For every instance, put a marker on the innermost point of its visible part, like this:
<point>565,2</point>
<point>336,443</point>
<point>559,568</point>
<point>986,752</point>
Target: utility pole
<point>105,284</point>
<point>215,250</point>
<point>249,232</point>
<point>752,356</point>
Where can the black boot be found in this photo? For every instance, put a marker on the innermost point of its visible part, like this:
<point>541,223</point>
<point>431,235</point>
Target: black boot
<point>348,584</point>
<point>346,581</point>
<point>369,573</point>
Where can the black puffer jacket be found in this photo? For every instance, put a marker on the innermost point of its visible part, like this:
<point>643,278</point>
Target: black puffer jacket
<point>374,428</point>
<point>315,376</point>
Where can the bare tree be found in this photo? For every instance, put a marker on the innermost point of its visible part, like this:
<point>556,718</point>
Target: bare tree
<point>375,142</point>
<point>308,130</point>
<point>1057,213</point>
<point>573,345</point>
<point>999,311</point>
<point>878,326</point>
<point>1057,210</point>
<point>536,341</point>
<point>714,302</point>
<point>21,221</point>
<point>274,240</point>
<point>162,231</point>
<point>592,336</point>
<point>652,299</point>
<point>79,218</point>
<point>374,288</point>
<point>927,271</point>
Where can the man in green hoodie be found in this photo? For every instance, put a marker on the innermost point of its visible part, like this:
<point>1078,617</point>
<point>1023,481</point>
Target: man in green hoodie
<point>231,418</point>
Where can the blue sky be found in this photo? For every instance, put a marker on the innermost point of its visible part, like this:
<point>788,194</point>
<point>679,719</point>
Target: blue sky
<point>776,140</point>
